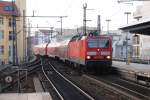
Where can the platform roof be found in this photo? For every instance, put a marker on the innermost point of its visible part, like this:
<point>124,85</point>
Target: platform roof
<point>140,27</point>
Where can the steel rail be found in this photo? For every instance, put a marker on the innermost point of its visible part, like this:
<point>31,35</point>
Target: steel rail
<point>61,97</point>
<point>130,90</point>
<point>136,84</point>
<point>114,84</point>
<point>79,89</point>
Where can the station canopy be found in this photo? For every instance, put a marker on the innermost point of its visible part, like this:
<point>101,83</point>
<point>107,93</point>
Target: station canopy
<point>140,27</point>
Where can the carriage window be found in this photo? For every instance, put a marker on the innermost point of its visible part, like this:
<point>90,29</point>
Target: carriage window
<point>98,43</point>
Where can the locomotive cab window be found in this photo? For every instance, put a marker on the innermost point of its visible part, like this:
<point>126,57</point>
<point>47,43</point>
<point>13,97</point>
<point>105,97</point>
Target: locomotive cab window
<point>98,43</point>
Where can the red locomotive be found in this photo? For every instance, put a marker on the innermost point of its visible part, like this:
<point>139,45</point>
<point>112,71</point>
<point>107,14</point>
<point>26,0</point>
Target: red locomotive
<point>90,51</point>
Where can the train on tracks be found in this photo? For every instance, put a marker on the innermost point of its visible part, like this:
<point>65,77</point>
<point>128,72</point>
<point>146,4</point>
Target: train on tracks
<point>90,52</point>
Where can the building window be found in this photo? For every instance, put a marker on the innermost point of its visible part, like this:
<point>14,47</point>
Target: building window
<point>1,49</point>
<point>10,22</point>
<point>1,20</point>
<point>1,35</point>
<point>10,35</point>
<point>8,8</point>
<point>9,50</point>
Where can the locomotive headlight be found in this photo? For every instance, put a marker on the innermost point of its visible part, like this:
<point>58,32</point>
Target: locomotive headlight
<point>88,57</point>
<point>108,57</point>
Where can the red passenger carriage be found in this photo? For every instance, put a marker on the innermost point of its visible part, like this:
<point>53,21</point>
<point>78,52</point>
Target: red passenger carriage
<point>89,51</point>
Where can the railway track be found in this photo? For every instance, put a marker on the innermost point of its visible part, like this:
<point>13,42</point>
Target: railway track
<point>12,69</point>
<point>13,72</point>
<point>113,85</point>
<point>65,89</point>
<point>130,89</point>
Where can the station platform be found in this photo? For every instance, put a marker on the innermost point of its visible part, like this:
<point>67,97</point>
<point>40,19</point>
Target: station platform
<point>132,66</point>
<point>37,85</point>
<point>25,96</point>
<point>133,71</point>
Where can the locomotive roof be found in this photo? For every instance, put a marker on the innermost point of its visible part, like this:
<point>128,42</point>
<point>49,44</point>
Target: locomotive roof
<point>65,42</point>
<point>60,43</point>
<point>53,44</point>
<point>40,45</point>
<point>82,37</point>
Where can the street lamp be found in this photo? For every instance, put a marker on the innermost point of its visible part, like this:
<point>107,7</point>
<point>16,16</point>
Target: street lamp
<point>14,44</point>
<point>51,31</point>
<point>84,18</point>
<point>127,53</point>
<point>127,13</point>
<point>60,25</point>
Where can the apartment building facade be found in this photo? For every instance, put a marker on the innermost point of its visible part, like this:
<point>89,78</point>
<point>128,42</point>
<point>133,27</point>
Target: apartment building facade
<point>7,9</point>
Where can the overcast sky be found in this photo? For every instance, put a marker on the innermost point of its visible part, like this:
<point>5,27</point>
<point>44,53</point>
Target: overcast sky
<point>108,9</point>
